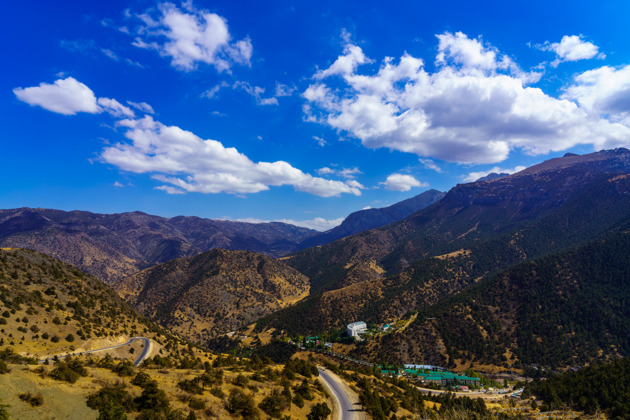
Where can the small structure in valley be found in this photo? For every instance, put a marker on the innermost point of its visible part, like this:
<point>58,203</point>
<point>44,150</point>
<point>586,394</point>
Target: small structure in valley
<point>356,328</point>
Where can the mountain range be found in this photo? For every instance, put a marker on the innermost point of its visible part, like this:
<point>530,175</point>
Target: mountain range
<point>457,257</point>
<point>114,246</point>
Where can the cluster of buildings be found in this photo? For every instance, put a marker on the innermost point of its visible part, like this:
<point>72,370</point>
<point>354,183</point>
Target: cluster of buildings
<point>434,375</point>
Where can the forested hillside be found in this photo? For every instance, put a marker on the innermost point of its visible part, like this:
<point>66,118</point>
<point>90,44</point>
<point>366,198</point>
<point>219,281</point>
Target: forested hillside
<point>564,309</point>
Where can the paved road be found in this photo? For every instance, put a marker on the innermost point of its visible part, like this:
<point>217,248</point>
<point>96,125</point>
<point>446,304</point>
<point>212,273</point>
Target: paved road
<point>347,412</point>
<point>145,351</point>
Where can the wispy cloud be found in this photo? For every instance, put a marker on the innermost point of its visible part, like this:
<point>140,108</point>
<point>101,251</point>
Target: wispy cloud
<point>429,164</point>
<point>348,173</point>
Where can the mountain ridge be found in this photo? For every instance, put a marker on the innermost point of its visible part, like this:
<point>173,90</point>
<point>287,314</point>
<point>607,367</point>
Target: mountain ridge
<point>112,246</point>
<point>367,219</point>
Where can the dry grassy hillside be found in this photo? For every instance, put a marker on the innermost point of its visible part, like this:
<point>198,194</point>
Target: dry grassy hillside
<point>213,293</point>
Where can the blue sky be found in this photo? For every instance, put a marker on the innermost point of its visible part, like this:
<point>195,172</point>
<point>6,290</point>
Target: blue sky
<point>300,111</point>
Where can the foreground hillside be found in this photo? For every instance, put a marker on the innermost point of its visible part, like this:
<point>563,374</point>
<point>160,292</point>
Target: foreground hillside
<point>214,292</point>
<point>112,246</point>
<point>49,308</point>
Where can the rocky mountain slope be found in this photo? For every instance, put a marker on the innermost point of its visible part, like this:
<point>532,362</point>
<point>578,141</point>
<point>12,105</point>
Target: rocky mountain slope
<point>472,213</point>
<point>214,292</point>
<point>363,220</point>
<point>475,230</point>
<point>112,246</point>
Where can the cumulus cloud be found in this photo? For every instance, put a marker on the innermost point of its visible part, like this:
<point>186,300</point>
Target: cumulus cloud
<point>184,162</point>
<point>68,97</point>
<point>572,48</point>
<point>318,223</point>
<point>400,182</point>
<point>473,176</point>
<point>65,96</point>
<point>474,108</point>
<point>604,91</point>
<point>190,37</point>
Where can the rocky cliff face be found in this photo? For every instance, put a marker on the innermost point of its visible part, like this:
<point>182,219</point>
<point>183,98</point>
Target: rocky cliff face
<point>214,292</point>
<point>112,246</point>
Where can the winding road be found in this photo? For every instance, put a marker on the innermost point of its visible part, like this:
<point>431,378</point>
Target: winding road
<point>148,345</point>
<point>345,409</point>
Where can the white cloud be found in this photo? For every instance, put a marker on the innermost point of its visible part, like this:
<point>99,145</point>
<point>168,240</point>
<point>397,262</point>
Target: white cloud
<point>284,90</point>
<point>65,96</point>
<point>604,92</point>
<point>190,37</point>
<point>345,64</point>
<point>348,173</point>
<point>111,54</point>
<point>400,182</point>
<point>115,108</point>
<point>320,141</point>
<point>118,185</point>
<point>317,223</point>
<point>429,164</point>
<point>256,92</point>
<point>142,107</point>
<point>184,162</point>
<point>212,92</point>
<point>68,97</point>
<point>474,108</point>
<point>572,48</point>
<point>473,176</point>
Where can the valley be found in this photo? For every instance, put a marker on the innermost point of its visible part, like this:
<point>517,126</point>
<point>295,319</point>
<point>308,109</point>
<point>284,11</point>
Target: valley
<point>487,287</point>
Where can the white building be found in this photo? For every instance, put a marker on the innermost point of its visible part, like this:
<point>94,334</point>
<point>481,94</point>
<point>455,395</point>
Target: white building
<point>356,328</point>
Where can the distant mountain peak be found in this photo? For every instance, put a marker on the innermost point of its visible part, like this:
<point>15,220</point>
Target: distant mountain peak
<point>371,218</point>
<point>492,176</point>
